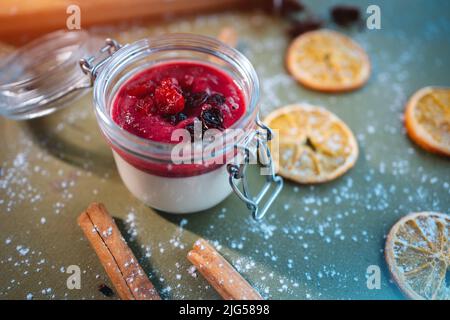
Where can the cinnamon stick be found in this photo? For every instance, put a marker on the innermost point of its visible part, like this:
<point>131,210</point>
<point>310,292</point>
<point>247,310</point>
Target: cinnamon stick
<point>220,274</point>
<point>122,267</point>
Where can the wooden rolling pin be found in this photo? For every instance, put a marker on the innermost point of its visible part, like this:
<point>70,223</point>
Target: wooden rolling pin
<point>21,20</point>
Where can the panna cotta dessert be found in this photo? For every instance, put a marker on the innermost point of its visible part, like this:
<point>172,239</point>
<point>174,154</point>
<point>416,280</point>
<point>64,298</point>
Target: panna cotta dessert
<point>155,97</point>
<point>161,99</point>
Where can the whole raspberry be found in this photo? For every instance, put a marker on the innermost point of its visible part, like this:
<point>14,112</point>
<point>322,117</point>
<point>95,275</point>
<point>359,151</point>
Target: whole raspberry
<point>168,98</point>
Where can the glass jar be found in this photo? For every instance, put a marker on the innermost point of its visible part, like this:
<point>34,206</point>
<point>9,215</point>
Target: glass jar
<point>146,167</point>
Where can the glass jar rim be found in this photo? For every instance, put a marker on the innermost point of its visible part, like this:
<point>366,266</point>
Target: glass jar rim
<point>139,146</point>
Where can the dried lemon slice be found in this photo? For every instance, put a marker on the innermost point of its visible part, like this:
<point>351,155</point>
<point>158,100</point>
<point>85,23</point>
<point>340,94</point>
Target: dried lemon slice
<point>329,61</point>
<point>314,144</point>
<point>427,119</point>
<point>418,254</point>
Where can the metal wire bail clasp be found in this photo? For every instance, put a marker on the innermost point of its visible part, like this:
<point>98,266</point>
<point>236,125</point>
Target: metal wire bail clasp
<point>237,172</point>
<point>91,65</point>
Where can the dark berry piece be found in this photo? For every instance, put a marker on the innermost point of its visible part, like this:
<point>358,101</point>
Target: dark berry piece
<point>345,15</point>
<point>182,116</point>
<point>212,118</point>
<point>174,119</point>
<point>194,100</point>
<point>107,291</point>
<point>291,6</point>
<point>216,99</point>
<point>299,27</point>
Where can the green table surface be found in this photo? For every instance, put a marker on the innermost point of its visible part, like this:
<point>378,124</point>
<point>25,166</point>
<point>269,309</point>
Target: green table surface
<point>316,242</point>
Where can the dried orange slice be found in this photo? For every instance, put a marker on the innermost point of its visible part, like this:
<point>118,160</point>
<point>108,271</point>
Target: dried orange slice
<point>314,144</point>
<point>326,60</point>
<point>427,119</point>
<point>418,254</point>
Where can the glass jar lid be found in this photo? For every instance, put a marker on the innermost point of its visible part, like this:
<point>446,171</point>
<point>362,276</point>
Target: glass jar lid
<point>44,75</point>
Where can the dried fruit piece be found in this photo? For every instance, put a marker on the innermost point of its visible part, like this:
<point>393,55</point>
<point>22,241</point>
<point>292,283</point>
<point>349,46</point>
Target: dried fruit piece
<point>105,290</point>
<point>196,99</point>
<point>329,61</point>
<point>291,6</point>
<point>345,15</point>
<point>176,118</point>
<point>418,255</point>
<point>216,99</point>
<point>315,146</point>
<point>212,118</point>
<point>301,26</point>
<point>182,116</point>
<point>427,119</point>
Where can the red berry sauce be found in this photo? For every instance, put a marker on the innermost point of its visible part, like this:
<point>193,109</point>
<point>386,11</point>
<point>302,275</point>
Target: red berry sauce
<point>165,97</point>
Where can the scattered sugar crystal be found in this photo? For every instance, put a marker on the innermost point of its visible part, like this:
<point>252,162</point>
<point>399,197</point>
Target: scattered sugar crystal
<point>22,250</point>
<point>183,222</point>
<point>108,232</point>
<point>192,271</point>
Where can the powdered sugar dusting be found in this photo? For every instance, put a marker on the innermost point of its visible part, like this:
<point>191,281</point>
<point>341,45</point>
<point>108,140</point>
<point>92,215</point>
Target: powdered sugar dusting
<point>316,241</point>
